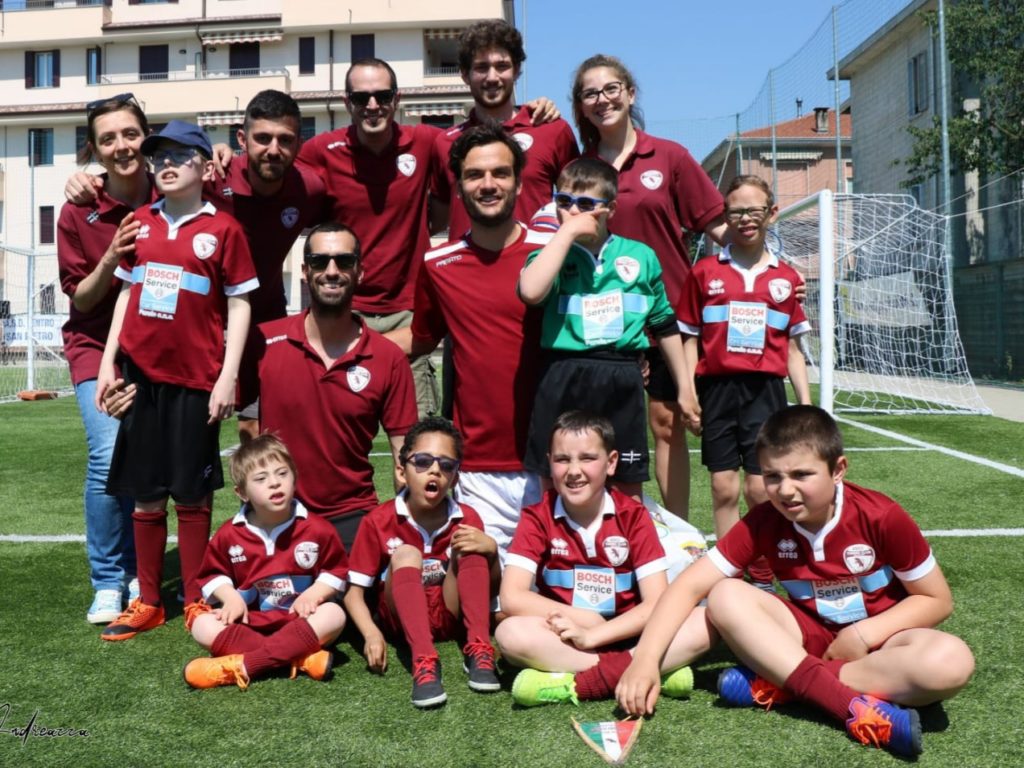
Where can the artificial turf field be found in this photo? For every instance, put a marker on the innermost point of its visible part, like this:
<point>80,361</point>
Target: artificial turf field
<point>137,710</point>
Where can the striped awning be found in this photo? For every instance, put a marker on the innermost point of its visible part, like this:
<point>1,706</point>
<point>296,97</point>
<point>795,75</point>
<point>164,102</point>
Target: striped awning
<point>441,34</point>
<point>427,109</point>
<point>206,119</point>
<point>241,36</point>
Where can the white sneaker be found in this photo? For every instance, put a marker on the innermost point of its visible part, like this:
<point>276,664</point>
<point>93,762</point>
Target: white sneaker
<point>133,590</point>
<point>106,606</point>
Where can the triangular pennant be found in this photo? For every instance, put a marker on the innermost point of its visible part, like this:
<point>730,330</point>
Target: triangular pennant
<point>611,739</point>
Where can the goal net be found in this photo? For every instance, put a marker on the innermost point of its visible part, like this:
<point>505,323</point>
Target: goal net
<point>880,300</point>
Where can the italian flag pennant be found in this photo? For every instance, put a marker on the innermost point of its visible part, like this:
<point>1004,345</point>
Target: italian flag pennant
<point>611,739</point>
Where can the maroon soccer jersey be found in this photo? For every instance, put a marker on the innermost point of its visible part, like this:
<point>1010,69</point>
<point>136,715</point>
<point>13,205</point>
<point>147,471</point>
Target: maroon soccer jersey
<point>469,293</point>
<point>852,568</point>
<point>84,233</point>
<point>384,199</point>
<point>389,526</point>
<point>593,570</point>
<point>662,191</point>
<point>548,148</point>
<point>272,569</point>
<point>744,318</point>
<point>329,417</point>
<point>271,225</point>
<point>181,275</point>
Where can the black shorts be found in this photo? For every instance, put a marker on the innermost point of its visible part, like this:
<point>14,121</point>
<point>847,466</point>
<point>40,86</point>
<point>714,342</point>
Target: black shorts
<point>347,525</point>
<point>733,408</point>
<point>164,446</point>
<point>660,385</point>
<point>610,385</point>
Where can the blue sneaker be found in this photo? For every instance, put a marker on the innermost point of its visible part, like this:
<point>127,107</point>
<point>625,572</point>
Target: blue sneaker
<point>106,606</point>
<point>741,687</point>
<point>884,725</point>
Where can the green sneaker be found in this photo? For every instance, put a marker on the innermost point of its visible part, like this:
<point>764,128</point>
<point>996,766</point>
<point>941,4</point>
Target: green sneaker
<point>678,684</point>
<point>532,688</point>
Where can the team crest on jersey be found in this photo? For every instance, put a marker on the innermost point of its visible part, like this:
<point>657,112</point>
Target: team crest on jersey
<point>859,557</point>
<point>290,217</point>
<point>560,547</point>
<point>787,550</point>
<point>306,554</point>
<point>616,549</point>
<point>627,268</point>
<point>524,140</point>
<point>236,553</point>
<point>651,179</point>
<point>406,164</point>
<point>715,287</point>
<point>392,544</point>
<point>143,232</point>
<point>203,245</point>
<point>93,217</point>
<point>780,288</point>
<point>358,377</point>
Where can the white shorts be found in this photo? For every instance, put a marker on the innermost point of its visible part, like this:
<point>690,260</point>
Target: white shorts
<point>498,497</point>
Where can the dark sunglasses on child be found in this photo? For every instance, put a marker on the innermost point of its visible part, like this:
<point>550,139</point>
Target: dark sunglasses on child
<point>583,203</point>
<point>424,461</point>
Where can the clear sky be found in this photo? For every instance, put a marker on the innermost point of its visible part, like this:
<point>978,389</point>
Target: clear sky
<point>693,60</point>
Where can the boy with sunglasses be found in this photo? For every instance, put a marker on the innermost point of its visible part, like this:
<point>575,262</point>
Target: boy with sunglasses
<point>431,566</point>
<point>601,295</point>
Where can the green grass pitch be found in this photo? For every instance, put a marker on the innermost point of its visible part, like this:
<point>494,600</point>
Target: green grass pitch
<point>137,710</point>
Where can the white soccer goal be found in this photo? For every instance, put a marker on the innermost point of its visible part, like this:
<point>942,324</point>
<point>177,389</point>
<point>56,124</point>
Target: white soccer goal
<point>33,309</point>
<point>880,299</point>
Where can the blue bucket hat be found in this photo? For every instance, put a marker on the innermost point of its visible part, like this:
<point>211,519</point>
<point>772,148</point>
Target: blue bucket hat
<point>180,132</point>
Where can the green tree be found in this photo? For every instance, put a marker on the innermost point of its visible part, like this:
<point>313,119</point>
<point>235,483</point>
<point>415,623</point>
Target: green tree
<point>985,47</point>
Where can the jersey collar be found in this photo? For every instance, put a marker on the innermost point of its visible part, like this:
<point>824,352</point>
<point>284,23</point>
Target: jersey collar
<point>725,257</point>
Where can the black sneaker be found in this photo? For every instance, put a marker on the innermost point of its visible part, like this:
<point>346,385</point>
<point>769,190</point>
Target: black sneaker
<point>427,690</point>
<point>478,663</point>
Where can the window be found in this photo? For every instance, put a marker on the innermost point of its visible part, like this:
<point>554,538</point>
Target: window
<point>307,130</point>
<point>47,294</point>
<point>233,138</point>
<point>438,121</point>
<point>244,59</point>
<point>81,138</point>
<point>42,69</point>
<point>93,68</point>
<point>40,146</point>
<point>307,55</point>
<point>153,62</point>
<point>46,230</point>
<point>917,84</point>
<point>362,47</point>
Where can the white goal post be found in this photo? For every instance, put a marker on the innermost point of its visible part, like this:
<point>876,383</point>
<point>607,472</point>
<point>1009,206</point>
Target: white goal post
<point>880,300</point>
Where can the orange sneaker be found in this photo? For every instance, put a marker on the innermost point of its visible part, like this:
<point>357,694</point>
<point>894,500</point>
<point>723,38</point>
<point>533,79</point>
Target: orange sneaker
<point>210,672</point>
<point>194,610</point>
<point>741,687</point>
<point>317,665</point>
<point>137,617</point>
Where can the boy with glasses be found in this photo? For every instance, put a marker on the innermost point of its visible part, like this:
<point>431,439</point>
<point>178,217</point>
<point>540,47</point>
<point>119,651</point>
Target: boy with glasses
<point>430,565</point>
<point>600,295</point>
<point>742,305</point>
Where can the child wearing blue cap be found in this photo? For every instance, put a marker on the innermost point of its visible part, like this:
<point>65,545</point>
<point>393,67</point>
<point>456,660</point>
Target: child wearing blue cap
<point>185,282</point>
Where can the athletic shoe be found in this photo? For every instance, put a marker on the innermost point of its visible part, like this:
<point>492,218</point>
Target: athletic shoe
<point>427,690</point>
<point>133,590</point>
<point>740,687</point>
<point>888,726</point>
<point>678,684</point>
<point>531,688</point>
<point>137,617</point>
<point>195,610</point>
<point>478,663</point>
<point>210,672</point>
<point>106,606</point>
<point>317,665</point>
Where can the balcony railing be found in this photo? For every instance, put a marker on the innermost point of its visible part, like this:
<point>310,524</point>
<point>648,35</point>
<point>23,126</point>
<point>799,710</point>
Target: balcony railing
<point>452,71</point>
<point>210,74</point>
<point>42,5</point>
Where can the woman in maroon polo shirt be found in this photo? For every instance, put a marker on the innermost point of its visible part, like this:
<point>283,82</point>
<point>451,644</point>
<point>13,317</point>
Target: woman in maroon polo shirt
<point>662,192</point>
<point>90,241</point>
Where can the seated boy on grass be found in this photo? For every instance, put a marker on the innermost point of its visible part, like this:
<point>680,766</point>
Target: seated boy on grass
<point>599,569</point>
<point>856,636</point>
<point>431,566</point>
<point>275,569</point>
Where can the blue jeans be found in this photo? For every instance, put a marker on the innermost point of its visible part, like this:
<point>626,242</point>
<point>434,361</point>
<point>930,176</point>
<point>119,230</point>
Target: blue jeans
<point>109,539</point>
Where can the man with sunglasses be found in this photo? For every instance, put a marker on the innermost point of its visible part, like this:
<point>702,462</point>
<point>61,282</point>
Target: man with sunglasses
<point>327,383</point>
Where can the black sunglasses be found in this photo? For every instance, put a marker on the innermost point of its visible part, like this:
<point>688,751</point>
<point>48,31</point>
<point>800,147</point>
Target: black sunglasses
<point>424,461</point>
<point>118,100</point>
<point>319,261</point>
<point>584,203</point>
<point>362,98</point>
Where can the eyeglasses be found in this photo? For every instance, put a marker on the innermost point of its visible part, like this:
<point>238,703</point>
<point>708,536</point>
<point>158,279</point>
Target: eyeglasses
<point>424,461</point>
<point>757,213</point>
<point>318,261</point>
<point>118,100</point>
<point>582,202</point>
<point>175,157</point>
<point>362,98</point>
<point>610,91</point>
